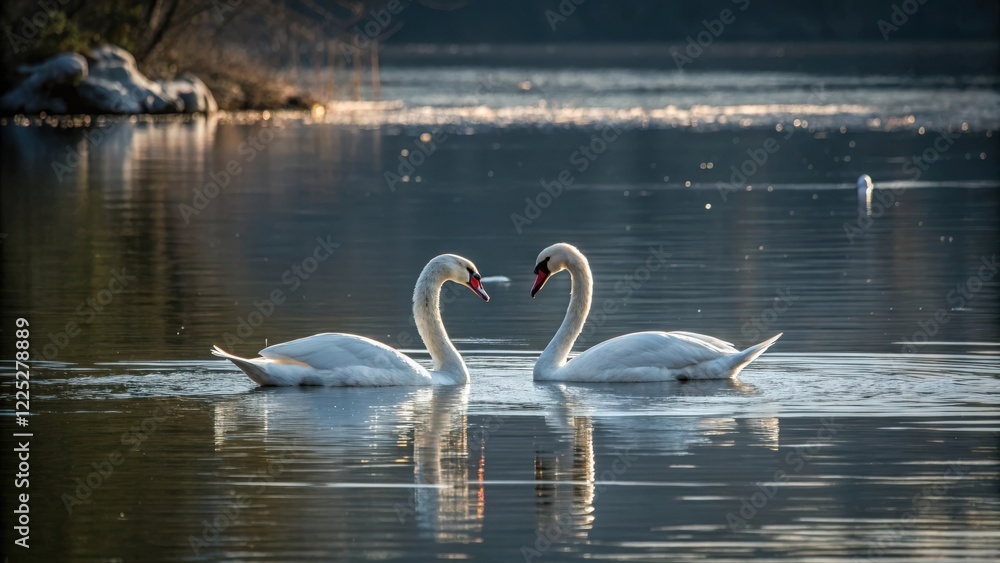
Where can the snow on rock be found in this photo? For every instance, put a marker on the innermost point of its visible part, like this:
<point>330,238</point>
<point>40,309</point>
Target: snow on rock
<point>41,90</point>
<point>194,96</point>
<point>111,83</point>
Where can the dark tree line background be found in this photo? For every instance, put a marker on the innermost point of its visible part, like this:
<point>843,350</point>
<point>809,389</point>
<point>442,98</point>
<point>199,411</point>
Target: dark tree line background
<point>656,21</point>
<point>234,45</point>
<point>237,45</point>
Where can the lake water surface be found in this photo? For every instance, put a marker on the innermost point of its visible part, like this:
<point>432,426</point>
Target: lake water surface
<point>870,430</point>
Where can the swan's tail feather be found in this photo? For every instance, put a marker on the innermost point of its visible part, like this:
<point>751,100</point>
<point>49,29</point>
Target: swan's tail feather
<point>741,360</point>
<point>216,351</point>
<point>254,371</point>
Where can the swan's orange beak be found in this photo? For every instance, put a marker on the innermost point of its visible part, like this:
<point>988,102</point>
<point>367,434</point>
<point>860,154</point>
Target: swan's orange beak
<point>476,284</point>
<point>543,276</point>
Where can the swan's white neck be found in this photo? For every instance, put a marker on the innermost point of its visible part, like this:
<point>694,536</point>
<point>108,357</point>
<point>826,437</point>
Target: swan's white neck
<point>448,363</point>
<point>554,355</point>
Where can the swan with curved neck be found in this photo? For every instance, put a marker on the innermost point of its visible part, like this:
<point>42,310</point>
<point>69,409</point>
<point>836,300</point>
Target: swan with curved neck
<point>346,360</point>
<point>639,356</point>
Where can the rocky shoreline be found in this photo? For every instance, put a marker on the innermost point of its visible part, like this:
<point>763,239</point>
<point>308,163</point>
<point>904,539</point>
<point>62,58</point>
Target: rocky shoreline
<point>106,81</point>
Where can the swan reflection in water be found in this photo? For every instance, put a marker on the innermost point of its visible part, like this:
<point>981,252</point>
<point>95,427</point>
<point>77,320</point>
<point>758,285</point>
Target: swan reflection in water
<point>417,438</point>
<point>571,473</point>
<point>362,438</point>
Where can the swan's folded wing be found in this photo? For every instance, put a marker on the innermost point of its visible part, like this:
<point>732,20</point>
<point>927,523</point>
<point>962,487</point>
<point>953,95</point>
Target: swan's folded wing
<point>710,340</point>
<point>671,350</point>
<point>331,351</point>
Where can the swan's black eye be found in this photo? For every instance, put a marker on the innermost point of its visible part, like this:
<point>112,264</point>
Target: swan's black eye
<point>477,276</point>
<point>543,266</point>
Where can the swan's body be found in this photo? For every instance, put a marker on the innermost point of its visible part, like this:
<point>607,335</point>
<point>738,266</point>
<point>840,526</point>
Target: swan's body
<point>865,189</point>
<point>640,356</point>
<point>342,360</point>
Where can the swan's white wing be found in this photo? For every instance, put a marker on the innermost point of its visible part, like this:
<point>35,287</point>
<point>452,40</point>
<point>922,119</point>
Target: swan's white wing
<point>644,356</point>
<point>710,340</point>
<point>333,352</point>
<point>664,349</point>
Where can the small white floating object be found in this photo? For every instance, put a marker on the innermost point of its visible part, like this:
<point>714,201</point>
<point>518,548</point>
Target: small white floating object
<point>496,279</point>
<point>865,186</point>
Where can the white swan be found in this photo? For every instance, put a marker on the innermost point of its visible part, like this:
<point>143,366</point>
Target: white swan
<point>344,360</point>
<point>865,189</point>
<point>865,186</point>
<point>640,356</point>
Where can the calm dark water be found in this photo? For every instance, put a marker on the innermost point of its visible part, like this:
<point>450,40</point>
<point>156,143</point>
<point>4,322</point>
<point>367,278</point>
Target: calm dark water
<point>196,264</point>
<point>869,431</point>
